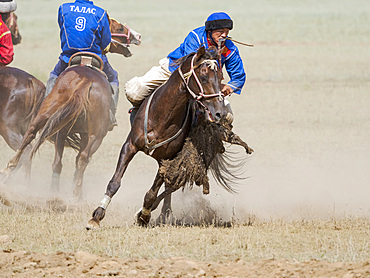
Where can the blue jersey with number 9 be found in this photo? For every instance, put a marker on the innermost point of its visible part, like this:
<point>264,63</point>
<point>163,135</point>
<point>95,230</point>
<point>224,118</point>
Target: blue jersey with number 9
<point>83,27</point>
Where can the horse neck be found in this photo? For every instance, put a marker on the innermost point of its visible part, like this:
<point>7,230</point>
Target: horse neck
<point>177,95</point>
<point>171,99</point>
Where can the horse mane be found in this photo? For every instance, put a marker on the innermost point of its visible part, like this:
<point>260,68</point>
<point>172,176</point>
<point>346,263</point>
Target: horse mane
<point>211,53</point>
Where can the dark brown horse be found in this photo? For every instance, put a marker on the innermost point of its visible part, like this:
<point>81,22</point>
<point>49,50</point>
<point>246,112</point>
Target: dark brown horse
<point>21,95</point>
<point>75,113</point>
<point>10,20</point>
<point>163,122</point>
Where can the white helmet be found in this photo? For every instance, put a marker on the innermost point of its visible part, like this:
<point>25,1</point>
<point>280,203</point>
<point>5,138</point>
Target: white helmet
<point>7,6</point>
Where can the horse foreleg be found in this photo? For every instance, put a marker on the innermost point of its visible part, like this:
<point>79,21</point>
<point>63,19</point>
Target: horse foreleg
<point>143,216</point>
<point>57,164</point>
<point>128,151</point>
<point>83,158</point>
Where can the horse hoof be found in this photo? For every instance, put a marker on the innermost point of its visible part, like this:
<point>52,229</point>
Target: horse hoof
<point>5,201</point>
<point>142,220</point>
<point>92,224</point>
<point>77,195</point>
<point>249,150</point>
<point>165,219</point>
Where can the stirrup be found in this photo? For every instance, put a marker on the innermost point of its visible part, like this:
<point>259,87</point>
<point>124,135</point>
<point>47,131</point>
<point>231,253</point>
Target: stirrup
<point>131,109</point>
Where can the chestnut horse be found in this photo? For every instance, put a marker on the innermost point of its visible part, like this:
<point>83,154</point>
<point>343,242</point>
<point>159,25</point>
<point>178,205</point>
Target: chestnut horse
<point>76,113</point>
<point>11,21</point>
<point>21,95</point>
<point>163,122</point>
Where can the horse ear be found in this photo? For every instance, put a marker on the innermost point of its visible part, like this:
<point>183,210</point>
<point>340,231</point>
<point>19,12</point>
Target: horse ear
<point>201,52</point>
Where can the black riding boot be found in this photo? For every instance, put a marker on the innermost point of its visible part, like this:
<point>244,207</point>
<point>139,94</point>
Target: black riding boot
<point>113,106</point>
<point>50,84</point>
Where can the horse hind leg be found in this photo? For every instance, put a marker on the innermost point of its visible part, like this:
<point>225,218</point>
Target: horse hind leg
<point>83,159</point>
<point>13,137</point>
<point>143,216</point>
<point>30,134</point>
<point>166,216</point>
<point>57,164</point>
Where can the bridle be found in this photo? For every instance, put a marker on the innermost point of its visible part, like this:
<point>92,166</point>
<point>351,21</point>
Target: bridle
<point>186,77</point>
<point>152,145</point>
<point>13,22</point>
<point>122,35</point>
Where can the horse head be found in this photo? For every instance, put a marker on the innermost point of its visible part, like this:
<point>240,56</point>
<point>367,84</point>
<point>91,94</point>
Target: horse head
<point>11,22</point>
<point>203,82</point>
<point>122,37</point>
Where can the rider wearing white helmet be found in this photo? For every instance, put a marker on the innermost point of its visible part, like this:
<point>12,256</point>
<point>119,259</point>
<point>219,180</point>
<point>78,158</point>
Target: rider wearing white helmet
<point>6,44</point>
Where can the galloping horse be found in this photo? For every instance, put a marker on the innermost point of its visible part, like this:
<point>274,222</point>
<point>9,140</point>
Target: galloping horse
<point>76,112</point>
<point>163,122</point>
<point>11,22</point>
<point>21,95</point>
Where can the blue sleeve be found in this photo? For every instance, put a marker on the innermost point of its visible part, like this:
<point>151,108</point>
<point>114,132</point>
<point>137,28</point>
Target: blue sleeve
<point>191,44</point>
<point>235,69</point>
<point>105,32</point>
<point>60,17</point>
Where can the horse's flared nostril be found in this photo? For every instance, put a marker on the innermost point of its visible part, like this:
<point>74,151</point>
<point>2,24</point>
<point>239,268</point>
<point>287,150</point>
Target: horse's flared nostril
<point>217,116</point>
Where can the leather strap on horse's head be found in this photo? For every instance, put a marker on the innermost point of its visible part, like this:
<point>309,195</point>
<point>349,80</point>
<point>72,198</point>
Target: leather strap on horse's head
<point>186,77</point>
<point>127,44</point>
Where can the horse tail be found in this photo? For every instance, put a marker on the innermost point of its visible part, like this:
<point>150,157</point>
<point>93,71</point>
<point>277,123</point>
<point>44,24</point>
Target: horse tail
<point>34,97</point>
<point>227,170</point>
<point>67,114</point>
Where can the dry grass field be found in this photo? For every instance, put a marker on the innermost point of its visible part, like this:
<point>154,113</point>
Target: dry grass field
<point>304,210</point>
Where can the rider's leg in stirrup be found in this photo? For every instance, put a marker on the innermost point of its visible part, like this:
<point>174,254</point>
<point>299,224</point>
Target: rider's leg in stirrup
<point>58,69</point>
<point>113,80</point>
<point>138,88</point>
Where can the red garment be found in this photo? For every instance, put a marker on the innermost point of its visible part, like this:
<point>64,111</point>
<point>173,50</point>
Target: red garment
<point>6,45</point>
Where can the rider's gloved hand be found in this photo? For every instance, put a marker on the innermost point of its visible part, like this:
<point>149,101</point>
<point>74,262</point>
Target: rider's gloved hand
<point>226,90</point>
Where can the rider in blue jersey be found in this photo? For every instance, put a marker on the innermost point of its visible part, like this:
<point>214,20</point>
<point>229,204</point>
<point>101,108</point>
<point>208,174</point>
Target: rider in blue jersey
<point>84,27</point>
<point>214,33</point>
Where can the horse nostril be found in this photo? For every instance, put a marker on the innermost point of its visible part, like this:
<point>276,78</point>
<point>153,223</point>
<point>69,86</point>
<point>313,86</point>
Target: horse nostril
<point>218,116</point>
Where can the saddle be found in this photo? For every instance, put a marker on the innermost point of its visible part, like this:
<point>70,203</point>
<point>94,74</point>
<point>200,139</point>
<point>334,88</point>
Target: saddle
<point>86,59</point>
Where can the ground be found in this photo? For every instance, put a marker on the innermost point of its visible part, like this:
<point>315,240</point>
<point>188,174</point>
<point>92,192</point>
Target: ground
<point>83,264</point>
<point>304,209</point>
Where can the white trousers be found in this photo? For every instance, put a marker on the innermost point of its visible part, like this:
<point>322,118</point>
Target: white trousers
<point>138,88</point>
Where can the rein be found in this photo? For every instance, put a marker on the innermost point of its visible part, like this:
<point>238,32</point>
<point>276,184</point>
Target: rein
<point>122,35</point>
<point>151,146</point>
<point>186,77</point>
<point>12,22</point>
<point>242,43</point>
